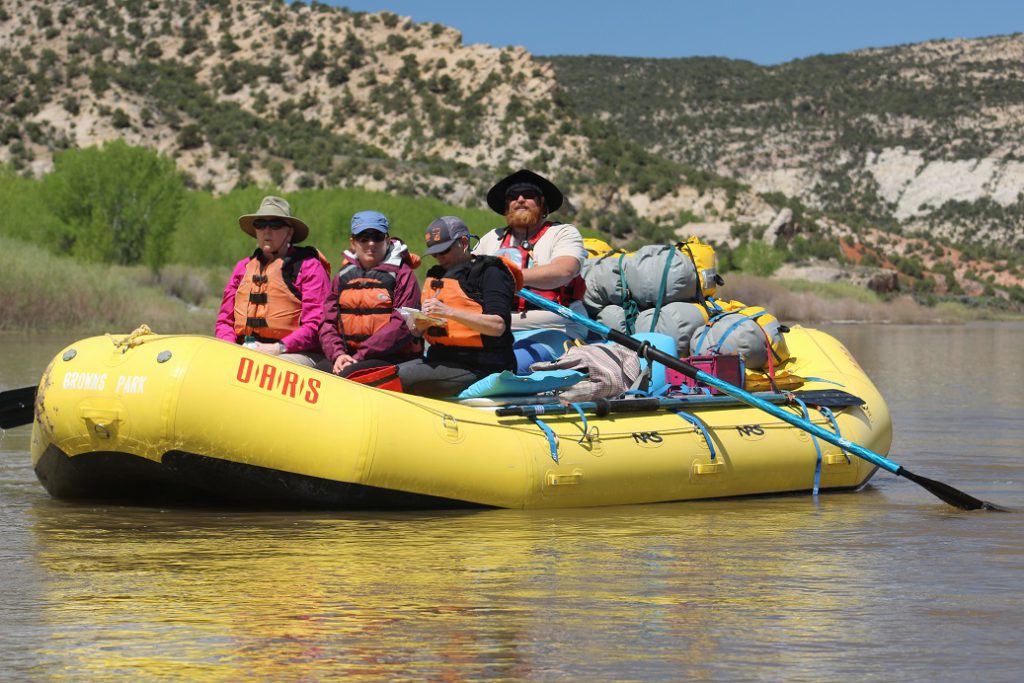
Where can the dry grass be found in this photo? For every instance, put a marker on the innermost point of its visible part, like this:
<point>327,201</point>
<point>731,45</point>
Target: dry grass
<point>194,286</point>
<point>799,301</point>
<point>42,292</point>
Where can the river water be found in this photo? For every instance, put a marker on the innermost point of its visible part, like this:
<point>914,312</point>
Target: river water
<point>888,584</point>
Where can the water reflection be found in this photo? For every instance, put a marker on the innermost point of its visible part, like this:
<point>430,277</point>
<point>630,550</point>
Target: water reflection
<point>886,583</point>
<point>463,595</point>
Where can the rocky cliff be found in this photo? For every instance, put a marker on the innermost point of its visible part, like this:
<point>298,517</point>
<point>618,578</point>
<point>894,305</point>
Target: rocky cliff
<point>922,139</point>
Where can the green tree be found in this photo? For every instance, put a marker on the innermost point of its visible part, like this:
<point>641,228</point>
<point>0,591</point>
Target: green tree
<point>118,204</point>
<point>758,258</point>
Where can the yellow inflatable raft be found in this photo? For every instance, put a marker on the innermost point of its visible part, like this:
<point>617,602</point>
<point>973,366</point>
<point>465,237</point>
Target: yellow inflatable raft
<point>150,419</point>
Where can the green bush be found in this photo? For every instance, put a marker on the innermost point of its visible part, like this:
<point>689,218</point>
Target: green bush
<point>120,118</point>
<point>25,212</point>
<point>118,204</point>
<point>758,258</point>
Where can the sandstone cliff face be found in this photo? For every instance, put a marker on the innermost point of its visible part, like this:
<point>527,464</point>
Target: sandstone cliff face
<point>925,138</point>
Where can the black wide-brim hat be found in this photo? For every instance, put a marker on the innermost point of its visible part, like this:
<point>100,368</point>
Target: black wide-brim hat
<point>496,195</point>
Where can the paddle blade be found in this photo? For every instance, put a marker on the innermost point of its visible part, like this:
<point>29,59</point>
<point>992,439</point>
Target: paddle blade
<point>947,493</point>
<point>16,407</point>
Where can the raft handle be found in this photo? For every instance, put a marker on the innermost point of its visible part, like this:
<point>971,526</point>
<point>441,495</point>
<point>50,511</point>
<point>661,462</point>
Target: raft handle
<point>102,423</point>
<point>565,479</point>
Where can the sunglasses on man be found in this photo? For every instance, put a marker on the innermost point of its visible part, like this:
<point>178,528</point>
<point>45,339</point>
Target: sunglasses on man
<point>369,236</point>
<point>514,193</point>
<point>269,224</point>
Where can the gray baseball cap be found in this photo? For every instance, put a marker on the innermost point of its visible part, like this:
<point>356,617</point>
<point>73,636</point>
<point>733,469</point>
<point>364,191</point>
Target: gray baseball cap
<point>443,233</point>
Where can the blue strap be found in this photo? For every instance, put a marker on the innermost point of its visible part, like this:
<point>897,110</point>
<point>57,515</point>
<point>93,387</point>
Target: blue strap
<point>696,422</point>
<point>732,328</point>
<point>686,389</point>
<point>817,447</point>
<point>661,391</point>
<point>630,307</point>
<point>721,314</point>
<point>552,442</point>
<point>826,381</point>
<point>835,425</point>
<point>661,289</point>
<point>583,416</point>
<point>700,338</point>
<point>703,334</point>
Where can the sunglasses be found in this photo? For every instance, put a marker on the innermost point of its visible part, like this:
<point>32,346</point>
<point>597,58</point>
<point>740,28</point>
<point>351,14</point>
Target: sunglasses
<point>269,224</point>
<point>369,236</point>
<point>526,193</point>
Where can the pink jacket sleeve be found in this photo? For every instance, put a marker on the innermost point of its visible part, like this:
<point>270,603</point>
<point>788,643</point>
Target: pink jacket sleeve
<point>314,284</point>
<point>225,325</point>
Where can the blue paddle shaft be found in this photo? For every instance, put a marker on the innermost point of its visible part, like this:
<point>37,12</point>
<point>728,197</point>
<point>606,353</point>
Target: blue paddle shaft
<point>797,421</point>
<point>701,376</point>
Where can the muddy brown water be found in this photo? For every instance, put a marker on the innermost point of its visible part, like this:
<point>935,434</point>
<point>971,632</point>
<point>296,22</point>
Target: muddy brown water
<point>885,584</point>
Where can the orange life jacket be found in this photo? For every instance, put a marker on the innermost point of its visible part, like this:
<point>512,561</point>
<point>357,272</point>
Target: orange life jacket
<point>522,255</point>
<point>365,304</point>
<point>463,293</point>
<point>268,306</point>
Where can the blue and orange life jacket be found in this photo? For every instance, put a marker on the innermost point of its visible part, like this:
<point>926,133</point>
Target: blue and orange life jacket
<point>365,304</point>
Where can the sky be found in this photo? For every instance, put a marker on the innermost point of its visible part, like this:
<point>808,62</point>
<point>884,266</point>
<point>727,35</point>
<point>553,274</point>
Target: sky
<point>762,31</point>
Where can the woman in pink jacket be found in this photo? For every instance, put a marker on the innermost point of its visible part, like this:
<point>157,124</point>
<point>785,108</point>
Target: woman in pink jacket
<point>274,300</point>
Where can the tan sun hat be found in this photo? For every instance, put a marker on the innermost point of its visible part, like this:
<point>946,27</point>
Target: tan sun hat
<point>274,207</point>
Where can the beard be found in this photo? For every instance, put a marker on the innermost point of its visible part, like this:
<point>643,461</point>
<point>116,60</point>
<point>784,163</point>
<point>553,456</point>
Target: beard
<point>523,217</point>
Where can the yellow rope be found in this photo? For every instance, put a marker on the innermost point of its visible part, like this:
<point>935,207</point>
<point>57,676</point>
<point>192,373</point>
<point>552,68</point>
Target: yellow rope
<point>133,339</point>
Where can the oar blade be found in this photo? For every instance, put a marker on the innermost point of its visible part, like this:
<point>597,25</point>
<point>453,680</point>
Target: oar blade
<point>17,406</point>
<point>947,493</point>
<point>942,491</point>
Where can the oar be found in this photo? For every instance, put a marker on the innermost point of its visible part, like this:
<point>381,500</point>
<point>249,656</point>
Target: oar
<point>16,407</point>
<point>942,491</point>
<point>828,398</point>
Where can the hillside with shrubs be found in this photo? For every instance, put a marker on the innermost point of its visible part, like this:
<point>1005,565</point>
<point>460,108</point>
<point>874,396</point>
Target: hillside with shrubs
<point>255,95</point>
<point>919,149</point>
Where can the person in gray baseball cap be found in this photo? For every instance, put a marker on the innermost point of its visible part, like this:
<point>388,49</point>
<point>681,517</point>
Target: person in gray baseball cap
<point>466,306</point>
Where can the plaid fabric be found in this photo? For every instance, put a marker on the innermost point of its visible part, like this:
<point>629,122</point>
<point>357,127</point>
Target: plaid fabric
<point>611,369</point>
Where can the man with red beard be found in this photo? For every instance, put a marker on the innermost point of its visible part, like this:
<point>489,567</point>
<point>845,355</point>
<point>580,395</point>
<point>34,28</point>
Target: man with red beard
<point>549,253</point>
